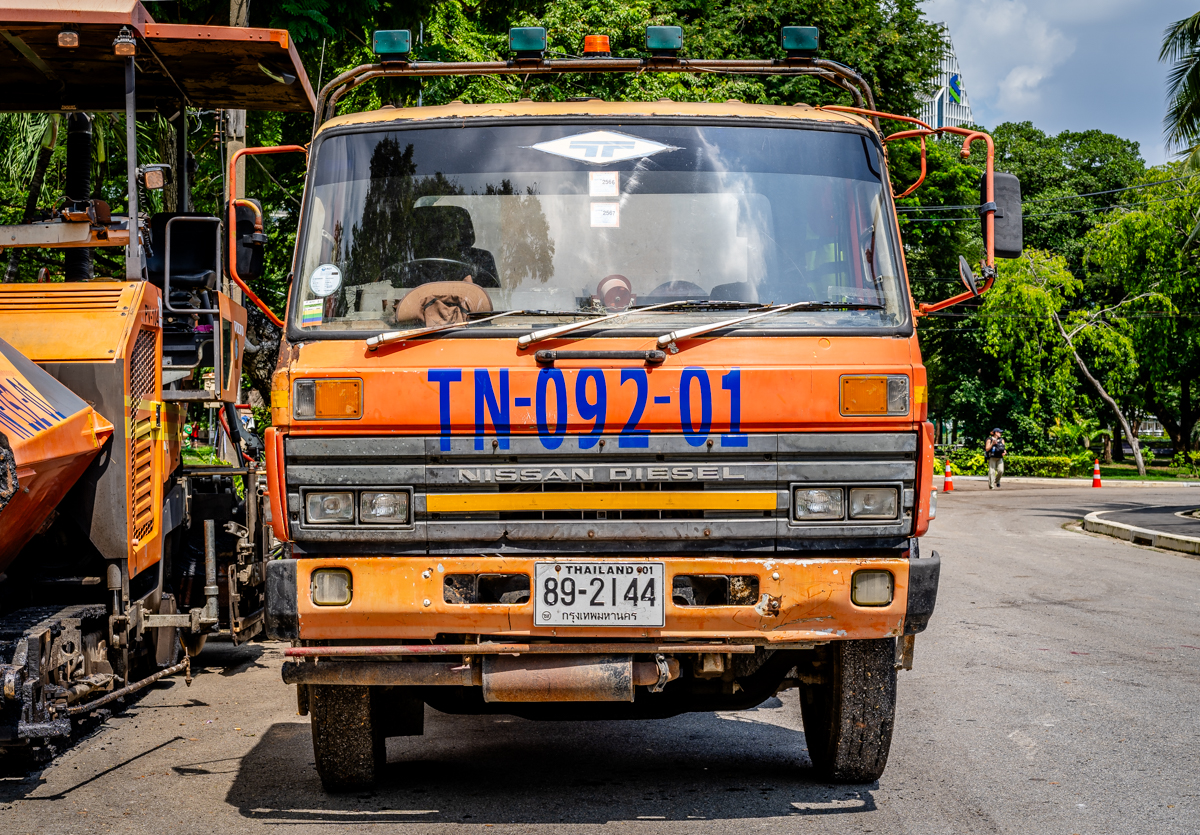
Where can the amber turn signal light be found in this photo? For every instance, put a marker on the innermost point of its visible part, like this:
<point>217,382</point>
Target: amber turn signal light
<point>875,394</point>
<point>327,400</point>
<point>864,395</point>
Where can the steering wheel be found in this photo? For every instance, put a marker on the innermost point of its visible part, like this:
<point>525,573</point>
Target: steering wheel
<point>436,269</point>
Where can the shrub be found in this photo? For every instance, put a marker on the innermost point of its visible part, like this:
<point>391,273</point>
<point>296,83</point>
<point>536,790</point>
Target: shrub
<point>972,462</point>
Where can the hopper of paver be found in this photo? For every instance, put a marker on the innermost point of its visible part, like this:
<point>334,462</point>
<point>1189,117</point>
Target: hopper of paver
<point>48,436</point>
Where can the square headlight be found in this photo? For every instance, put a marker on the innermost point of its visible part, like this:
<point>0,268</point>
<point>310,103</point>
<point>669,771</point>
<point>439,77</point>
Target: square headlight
<point>331,587</point>
<point>874,502</point>
<point>383,508</point>
<point>816,503</point>
<point>329,508</point>
<point>871,587</point>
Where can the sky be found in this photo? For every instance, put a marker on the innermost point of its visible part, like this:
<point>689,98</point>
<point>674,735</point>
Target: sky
<point>1065,64</point>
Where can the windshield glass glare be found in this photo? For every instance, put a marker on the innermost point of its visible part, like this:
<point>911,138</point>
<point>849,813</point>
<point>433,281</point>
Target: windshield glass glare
<point>421,227</point>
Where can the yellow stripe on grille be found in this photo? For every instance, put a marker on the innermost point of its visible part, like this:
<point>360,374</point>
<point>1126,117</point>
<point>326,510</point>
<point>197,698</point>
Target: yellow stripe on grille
<point>648,500</point>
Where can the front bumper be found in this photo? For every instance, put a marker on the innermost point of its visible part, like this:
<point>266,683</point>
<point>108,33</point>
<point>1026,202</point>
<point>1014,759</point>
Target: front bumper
<point>800,601</point>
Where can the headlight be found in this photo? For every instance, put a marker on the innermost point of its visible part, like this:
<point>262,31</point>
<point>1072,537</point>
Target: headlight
<point>383,508</point>
<point>876,394</point>
<point>820,503</point>
<point>873,502</point>
<point>329,508</point>
<point>871,587</point>
<point>932,504</point>
<point>331,587</point>
<point>327,400</point>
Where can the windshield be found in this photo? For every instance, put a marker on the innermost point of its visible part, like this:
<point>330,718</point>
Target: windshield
<point>427,226</point>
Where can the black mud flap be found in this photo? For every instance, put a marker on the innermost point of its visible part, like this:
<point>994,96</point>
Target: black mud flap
<point>923,575</point>
<point>282,615</point>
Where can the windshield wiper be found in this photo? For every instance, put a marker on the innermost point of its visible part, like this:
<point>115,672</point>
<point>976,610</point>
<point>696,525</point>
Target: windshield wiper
<point>399,336</point>
<point>668,339</point>
<point>537,336</point>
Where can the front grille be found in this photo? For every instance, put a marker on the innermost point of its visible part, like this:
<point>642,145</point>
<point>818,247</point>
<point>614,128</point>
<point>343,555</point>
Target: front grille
<point>669,495</point>
<point>142,385</point>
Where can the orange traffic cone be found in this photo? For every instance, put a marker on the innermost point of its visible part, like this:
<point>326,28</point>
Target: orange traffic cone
<point>948,487</point>
<point>1096,474</point>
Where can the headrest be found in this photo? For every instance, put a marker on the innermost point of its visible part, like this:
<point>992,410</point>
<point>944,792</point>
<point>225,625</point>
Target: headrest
<point>440,230</point>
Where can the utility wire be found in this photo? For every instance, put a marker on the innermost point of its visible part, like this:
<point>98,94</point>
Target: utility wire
<point>1046,214</point>
<point>1053,199</point>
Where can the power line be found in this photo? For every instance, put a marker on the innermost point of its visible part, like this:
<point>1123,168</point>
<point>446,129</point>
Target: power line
<point>1053,199</point>
<point>1046,214</point>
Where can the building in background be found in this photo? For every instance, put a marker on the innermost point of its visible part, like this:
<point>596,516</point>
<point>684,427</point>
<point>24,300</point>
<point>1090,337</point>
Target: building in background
<point>948,107</point>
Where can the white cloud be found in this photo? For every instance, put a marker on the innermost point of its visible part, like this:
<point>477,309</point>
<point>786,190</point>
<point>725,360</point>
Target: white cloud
<point>1065,64</point>
<point>1005,52</point>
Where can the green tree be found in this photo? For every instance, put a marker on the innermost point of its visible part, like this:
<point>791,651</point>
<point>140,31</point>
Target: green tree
<point>1181,47</point>
<point>1034,334</point>
<point>1140,251</point>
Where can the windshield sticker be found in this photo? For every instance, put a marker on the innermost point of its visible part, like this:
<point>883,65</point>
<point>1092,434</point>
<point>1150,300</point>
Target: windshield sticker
<point>604,184</point>
<point>312,312</point>
<point>600,147</point>
<point>325,279</point>
<point>606,215</point>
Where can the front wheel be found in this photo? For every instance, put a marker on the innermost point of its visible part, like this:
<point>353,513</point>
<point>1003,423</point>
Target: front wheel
<point>850,709</point>
<point>348,740</point>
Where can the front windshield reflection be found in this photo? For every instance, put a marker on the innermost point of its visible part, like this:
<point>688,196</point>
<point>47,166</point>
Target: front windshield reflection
<point>416,228</point>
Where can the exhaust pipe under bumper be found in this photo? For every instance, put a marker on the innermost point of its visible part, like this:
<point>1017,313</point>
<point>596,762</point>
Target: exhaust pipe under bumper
<point>571,678</point>
<point>504,678</point>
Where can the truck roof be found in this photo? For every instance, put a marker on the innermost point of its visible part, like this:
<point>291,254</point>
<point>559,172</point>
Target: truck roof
<point>597,107</point>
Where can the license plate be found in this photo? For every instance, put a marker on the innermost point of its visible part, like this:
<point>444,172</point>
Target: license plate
<point>599,593</point>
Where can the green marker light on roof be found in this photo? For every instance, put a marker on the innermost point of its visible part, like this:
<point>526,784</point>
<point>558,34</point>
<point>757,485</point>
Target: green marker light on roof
<point>392,44</point>
<point>800,41</point>
<point>527,41</point>
<point>664,41</point>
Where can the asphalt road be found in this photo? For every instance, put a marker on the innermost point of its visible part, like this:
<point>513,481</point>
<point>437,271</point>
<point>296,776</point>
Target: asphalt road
<point>1056,691</point>
<point>1164,518</point>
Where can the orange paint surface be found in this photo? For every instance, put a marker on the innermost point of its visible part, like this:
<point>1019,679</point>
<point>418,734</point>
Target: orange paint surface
<point>788,384</point>
<point>390,594</point>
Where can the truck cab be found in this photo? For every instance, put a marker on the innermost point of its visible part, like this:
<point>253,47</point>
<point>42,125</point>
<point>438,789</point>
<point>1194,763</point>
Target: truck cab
<point>598,409</point>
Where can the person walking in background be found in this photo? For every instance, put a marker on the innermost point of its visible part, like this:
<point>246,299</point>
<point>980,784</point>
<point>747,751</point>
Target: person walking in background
<point>993,451</point>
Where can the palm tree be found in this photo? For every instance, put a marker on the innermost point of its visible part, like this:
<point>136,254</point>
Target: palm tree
<point>1181,47</point>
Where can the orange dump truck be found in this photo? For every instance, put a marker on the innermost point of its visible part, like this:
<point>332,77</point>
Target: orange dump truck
<point>593,409</point>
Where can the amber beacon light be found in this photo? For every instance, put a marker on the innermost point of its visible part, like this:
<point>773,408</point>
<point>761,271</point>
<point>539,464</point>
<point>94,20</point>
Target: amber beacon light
<point>596,46</point>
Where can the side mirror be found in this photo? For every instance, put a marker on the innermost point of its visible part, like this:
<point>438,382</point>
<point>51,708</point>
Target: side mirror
<point>967,276</point>
<point>1008,238</point>
<point>249,239</point>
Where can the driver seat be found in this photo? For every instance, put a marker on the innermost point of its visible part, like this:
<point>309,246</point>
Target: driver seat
<point>447,232</point>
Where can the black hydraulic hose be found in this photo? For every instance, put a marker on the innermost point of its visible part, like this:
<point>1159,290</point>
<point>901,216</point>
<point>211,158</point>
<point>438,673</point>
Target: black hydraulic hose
<point>77,263</point>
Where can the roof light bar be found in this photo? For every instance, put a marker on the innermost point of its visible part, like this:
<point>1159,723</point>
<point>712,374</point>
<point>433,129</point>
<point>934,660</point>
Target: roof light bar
<point>391,44</point>
<point>664,41</point>
<point>527,41</point>
<point>800,41</point>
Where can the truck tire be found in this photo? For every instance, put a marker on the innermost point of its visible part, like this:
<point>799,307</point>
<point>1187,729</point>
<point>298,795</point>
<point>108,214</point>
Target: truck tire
<point>849,714</point>
<point>348,740</point>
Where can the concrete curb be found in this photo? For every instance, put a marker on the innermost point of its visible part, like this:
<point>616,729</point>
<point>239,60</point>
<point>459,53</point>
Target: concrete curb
<point>1073,482</point>
<point>1140,536</point>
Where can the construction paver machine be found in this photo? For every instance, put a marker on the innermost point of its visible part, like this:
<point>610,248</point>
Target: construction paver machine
<point>116,555</point>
